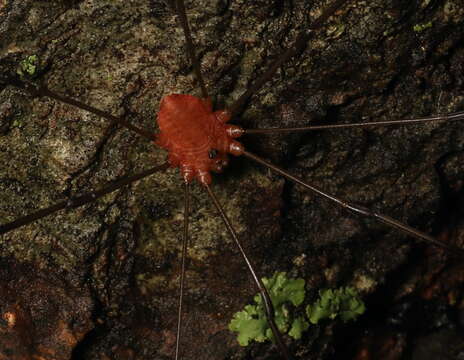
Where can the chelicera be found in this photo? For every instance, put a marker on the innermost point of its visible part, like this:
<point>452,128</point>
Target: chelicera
<point>212,154</point>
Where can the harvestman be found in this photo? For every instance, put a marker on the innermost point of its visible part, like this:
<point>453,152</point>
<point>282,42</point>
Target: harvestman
<point>218,158</point>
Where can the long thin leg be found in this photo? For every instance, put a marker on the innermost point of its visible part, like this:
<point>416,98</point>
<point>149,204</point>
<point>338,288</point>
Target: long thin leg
<point>180,7</point>
<point>262,289</point>
<point>182,270</point>
<point>449,117</point>
<point>77,201</point>
<point>44,91</point>
<point>358,209</point>
<point>294,49</point>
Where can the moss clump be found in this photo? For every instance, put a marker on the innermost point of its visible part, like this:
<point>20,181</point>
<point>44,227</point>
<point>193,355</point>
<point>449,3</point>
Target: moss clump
<point>251,323</point>
<point>28,66</point>
<point>286,296</point>
<point>422,27</point>
<point>343,303</point>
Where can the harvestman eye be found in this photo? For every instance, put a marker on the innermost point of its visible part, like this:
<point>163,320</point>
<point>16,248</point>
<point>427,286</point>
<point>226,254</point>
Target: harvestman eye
<point>208,124</point>
<point>212,153</point>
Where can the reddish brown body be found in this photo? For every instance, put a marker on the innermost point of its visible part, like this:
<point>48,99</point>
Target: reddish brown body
<point>197,139</point>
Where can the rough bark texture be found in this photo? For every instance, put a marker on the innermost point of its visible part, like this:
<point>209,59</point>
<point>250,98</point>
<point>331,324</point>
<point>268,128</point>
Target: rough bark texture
<point>373,60</point>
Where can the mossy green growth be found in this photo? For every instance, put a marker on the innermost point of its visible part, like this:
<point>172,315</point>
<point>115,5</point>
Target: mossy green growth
<point>286,296</point>
<point>343,303</point>
<point>422,27</point>
<point>28,66</point>
<point>251,323</point>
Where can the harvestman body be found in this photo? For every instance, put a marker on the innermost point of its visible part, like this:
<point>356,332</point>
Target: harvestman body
<point>198,141</point>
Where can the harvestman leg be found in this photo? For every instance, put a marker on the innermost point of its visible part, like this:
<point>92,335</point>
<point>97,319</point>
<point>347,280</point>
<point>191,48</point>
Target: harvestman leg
<point>185,239</point>
<point>74,202</point>
<point>262,289</point>
<point>448,117</point>
<point>42,90</point>
<point>181,13</point>
<point>77,201</point>
<point>358,209</point>
<point>300,43</point>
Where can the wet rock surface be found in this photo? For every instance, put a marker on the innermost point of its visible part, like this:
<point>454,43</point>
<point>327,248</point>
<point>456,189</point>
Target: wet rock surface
<point>42,316</point>
<point>370,62</point>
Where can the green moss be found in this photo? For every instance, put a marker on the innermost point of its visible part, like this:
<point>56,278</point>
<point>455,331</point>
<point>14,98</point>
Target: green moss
<point>28,66</point>
<point>422,27</point>
<point>287,295</point>
<point>251,323</point>
<point>343,303</point>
